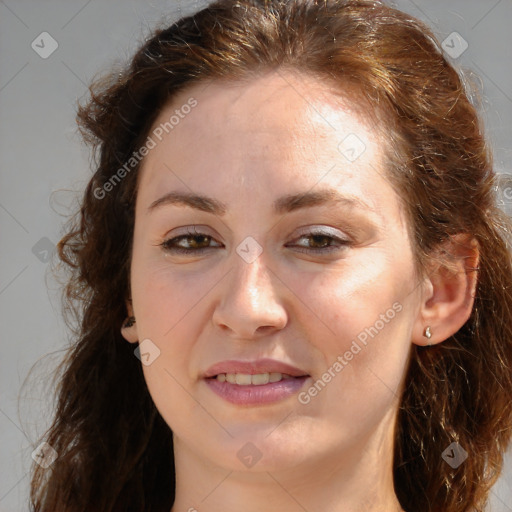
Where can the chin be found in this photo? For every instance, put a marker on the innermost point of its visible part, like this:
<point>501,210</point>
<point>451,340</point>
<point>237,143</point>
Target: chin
<point>259,448</point>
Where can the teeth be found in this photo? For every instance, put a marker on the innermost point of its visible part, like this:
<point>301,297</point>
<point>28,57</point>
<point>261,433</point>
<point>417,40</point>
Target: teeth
<point>245,379</point>
<point>275,377</point>
<point>260,378</point>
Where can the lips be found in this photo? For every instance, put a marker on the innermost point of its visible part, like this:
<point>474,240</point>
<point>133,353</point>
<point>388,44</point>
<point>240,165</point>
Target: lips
<point>255,383</point>
<point>260,366</point>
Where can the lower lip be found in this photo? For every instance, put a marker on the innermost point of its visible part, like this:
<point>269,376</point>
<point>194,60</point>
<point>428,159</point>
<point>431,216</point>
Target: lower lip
<point>255,395</point>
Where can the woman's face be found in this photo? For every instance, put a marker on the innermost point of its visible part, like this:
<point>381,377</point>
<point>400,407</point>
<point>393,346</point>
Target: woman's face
<point>298,255</point>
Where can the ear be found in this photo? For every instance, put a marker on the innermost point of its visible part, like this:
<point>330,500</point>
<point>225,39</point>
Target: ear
<point>449,290</point>
<point>129,328</point>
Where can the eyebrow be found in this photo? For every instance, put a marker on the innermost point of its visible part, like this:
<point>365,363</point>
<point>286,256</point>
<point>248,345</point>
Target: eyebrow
<point>284,204</point>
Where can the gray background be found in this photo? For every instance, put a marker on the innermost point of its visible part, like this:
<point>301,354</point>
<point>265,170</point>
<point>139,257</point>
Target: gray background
<point>42,162</point>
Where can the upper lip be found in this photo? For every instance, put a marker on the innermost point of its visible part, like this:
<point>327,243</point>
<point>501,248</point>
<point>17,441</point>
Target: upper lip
<point>253,368</point>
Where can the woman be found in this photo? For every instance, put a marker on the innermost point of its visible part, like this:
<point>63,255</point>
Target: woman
<point>292,280</point>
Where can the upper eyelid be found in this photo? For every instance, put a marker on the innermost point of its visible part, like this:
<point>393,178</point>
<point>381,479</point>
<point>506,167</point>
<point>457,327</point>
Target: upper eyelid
<point>321,230</point>
<point>305,230</point>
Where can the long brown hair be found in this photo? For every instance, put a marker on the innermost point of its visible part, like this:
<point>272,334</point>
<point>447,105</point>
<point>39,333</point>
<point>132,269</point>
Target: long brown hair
<point>114,449</point>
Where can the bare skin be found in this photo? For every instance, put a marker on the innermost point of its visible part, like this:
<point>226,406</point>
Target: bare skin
<point>303,301</point>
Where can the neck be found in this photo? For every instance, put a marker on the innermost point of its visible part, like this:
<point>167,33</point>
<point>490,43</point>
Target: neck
<point>357,480</point>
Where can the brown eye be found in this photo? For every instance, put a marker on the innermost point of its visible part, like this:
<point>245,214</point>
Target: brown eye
<point>322,243</point>
<point>191,242</point>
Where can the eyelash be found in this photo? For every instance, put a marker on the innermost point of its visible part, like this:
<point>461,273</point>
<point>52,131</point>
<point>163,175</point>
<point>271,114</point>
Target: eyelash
<point>166,244</point>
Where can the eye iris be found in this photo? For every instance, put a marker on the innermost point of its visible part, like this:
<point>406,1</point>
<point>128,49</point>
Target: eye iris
<point>203,239</point>
<point>317,239</point>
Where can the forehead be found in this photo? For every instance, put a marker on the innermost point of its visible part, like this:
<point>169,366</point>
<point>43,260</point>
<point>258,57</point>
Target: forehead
<point>275,131</point>
<point>283,103</point>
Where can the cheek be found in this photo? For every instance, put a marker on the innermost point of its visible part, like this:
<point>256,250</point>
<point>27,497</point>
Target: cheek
<point>164,304</point>
<point>164,297</point>
<point>344,303</point>
<point>167,304</point>
<point>361,331</point>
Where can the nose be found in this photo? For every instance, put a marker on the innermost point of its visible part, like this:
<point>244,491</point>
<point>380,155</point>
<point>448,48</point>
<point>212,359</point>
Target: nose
<point>249,306</point>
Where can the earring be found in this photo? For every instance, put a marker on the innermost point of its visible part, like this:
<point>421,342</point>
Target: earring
<point>129,322</point>
<point>428,334</point>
